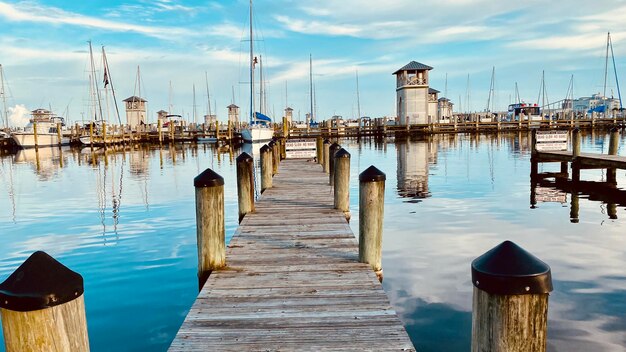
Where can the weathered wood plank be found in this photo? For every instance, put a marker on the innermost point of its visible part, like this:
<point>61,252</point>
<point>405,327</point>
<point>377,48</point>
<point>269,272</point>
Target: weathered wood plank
<point>292,280</point>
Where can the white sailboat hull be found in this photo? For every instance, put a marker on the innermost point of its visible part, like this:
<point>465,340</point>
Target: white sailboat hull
<point>27,140</point>
<point>253,134</point>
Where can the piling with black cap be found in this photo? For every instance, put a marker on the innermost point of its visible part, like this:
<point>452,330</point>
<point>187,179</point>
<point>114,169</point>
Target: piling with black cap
<point>319,143</point>
<point>342,182</point>
<point>510,305</point>
<point>266,167</point>
<point>325,155</point>
<point>371,211</point>
<point>245,184</point>
<point>209,223</point>
<point>42,307</point>
<point>331,162</point>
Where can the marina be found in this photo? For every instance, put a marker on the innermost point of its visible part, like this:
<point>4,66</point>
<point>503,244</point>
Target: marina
<point>124,219</point>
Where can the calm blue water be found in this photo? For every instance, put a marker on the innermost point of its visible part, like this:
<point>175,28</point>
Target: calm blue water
<point>125,220</point>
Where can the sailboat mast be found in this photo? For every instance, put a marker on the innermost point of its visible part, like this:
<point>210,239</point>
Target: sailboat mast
<point>619,93</point>
<point>4,99</point>
<point>194,104</point>
<point>262,107</point>
<point>311,85</point>
<point>208,96</point>
<point>110,80</point>
<point>606,63</point>
<point>251,68</point>
<point>358,100</point>
<point>95,81</point>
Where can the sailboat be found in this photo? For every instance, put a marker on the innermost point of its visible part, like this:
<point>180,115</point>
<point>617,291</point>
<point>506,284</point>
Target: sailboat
<point>258,130</point>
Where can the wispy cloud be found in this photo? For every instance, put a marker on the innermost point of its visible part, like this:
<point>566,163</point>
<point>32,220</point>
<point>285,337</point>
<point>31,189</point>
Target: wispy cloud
<point>31,12</point>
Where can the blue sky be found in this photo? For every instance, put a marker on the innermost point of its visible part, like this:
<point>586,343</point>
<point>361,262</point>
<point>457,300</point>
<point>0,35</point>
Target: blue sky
<point>43,50</point>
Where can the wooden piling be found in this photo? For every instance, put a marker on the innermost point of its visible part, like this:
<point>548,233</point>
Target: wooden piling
<point>331,163</point>
<point>342,182</point>
<point>371,211</point>
<point>575,142</point>
<point>611,172</point>
<point>35,133</point>
<point>59,136</point>
<point>160,130</point>
<point>266,167</point>
<point>510,305</point>
<point>326,146</point>
<point>319,143</point>
<point>42,307</point>
<point>245,184</point>
<point>210,223</point>
<point>272,146</point>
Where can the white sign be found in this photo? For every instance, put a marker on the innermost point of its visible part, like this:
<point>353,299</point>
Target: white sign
<point>301,148</point>
<point>551,140</point>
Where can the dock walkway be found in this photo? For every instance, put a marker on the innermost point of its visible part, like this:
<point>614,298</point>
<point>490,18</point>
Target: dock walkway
<point>293,280</point>
<point>585,160</point>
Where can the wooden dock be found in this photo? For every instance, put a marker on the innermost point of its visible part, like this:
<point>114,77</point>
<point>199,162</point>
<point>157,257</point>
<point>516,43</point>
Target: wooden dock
<point>584,160</point>
<point>293,280</point>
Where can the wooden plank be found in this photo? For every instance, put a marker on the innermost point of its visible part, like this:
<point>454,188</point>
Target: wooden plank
<point>293,280</point>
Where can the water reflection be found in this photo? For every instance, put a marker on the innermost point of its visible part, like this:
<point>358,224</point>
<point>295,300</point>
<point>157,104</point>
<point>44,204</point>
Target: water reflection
<point>412,173</point>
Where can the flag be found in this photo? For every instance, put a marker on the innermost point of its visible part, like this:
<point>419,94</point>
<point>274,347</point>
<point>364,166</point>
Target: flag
<point>254,62</point>
<point>106,77</point>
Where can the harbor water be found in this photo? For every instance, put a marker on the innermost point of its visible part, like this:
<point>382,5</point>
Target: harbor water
<point>124,219</point>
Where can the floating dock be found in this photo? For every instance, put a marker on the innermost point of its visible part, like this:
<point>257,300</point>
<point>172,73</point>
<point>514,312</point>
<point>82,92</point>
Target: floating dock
<point>293,280</point>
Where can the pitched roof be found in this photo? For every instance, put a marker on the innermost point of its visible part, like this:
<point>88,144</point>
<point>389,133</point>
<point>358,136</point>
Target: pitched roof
<point>232,106</point>
<point>289,109</point>
<point>414,65</point>
<point>135,98</point>
<point>433,91</point>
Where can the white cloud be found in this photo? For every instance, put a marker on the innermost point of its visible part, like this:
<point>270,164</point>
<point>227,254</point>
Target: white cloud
<point>19,116</point>
<point>29,12</point>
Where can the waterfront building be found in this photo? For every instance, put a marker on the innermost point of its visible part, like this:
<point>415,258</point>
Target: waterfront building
<point>595,103</point>
<point>417,103</point>
<point>210,119</point>
<point>444,110</point>
<point>135,111</point>
<point>233,113</point>
<point>289,114</point>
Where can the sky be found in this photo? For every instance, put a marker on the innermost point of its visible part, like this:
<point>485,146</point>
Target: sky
<point>178,43</point>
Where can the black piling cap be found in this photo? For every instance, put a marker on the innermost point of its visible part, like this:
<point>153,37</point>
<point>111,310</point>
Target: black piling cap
<point>372,174</point>
<point>335,145</point>
<point>614,129</point>
<point>40,282</point>
<point>508,269</point>
<point>326,141</point>
<point>208,178</point>
<point>244,158</point>
<point>265,149</point>
<point>342,153</point>
<point>271,144</point>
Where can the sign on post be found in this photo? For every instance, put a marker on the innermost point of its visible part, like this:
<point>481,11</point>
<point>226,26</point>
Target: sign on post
<point>300,148</point>
<point>551,141</point>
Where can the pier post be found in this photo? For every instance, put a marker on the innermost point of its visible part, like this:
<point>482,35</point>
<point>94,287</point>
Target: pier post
<point>42,307</point>
<point>283,148</point>
<point>160,129</point>
<point>35,133</point>
<point>59,133</point>
<point>342,182</point>
<point>319,143</point>
<point>285,127</point>
<point>272,146</point>
<point>326,146</point>
<point>533,143</point>
<point>331,162</point>
<point>266,167</point>
<point>104,133</point>
<point>245,184</point>
<point>611,173</point>
<point>510,304</point>
<point>575,142</point>
<point>210,230</point>
<point>371,211</point>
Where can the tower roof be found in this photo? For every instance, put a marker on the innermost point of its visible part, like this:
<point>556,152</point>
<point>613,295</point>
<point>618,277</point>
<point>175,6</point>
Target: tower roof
<point>433,91</point>
<point>414,65</point>
<point>135,98</point>
<point>232,106</point>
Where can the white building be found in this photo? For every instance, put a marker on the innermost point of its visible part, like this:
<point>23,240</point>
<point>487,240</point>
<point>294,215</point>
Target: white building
<point>444,109</point>
<point>233,113</point>
<point>417,103</point>
<point>135,111</point>
<point>289,114</point>
<point>596,102</point>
